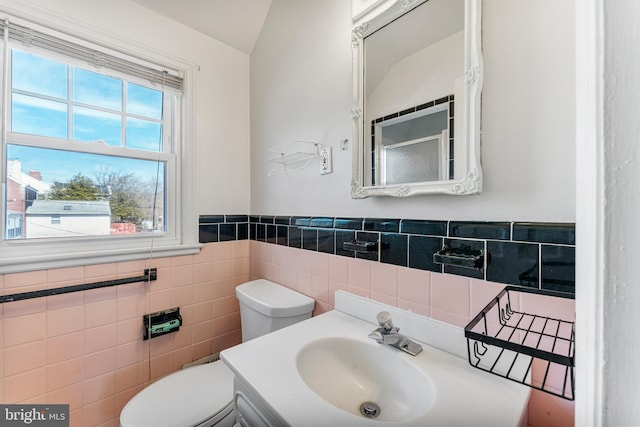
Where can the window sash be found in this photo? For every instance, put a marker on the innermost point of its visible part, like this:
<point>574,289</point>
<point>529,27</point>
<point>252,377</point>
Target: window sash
<point>181,235</point>
<point>98,56</point>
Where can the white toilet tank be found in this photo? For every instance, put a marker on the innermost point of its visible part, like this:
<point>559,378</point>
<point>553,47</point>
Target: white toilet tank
<point>266,307</point>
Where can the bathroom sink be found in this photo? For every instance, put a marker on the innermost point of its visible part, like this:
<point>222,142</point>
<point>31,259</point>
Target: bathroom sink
<point>365,379</point>
<point>318,373</point>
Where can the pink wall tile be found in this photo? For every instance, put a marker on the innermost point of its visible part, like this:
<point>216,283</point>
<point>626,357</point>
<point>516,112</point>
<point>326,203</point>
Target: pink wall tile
<point>320,286</point>
<point>65,320</point>
<point>203,291</point>
<point>339,269</point>
<point>129,330</point>
<point>64,275</point>
<point>160,366</point>
<point>241,267</point>
<point>320,265</point>
<point>64,374</point>
<point>25,307</point>
<point>99,388</point>
<point>23,358</point>
<point>221,288</point>
<point>132,306</point>
<point>304,283</point>
<point>284,256</point>
<point>99,412</point>
<point>203,331</point>
<point>182,275</point>
<point>161,345</point>
<point>360,275</point>
<point>99,363</point>
<point>414,286</point>
<point>558,308</point>
<point>223,251</point>
<point>260,251</point>
<point>205,255</point>
<point>55,302</point>
<point>100,271</point>
<point>131,353</point>
<point>71,396</point>
<point>20,280</point>
<point>240,249</point>
<point>23,329</point>
<point>203,272</point>
<point>18,388</point>
<point>225,305</point>
<point>179,357</point>
<point>384,279</point>
<point>226,324</point>
<point>180,297</point>
<point>186,260</point>
<point>86,349</point>
<point>159,300</point>
<point>64,347</point>
<point>548,410</point>
<point>134,268</point>
<point>132,376</point>
<point>100,294</point>
<point>333,287</point>
<point>447,317</point>
<point>202,311</point>
<point>225,341</point>
<point>100,313</point>
<point>450,294</point>
<point>385,299</point>
<point>100,338</point>
<point>205,348</point>
<point>481,293</point>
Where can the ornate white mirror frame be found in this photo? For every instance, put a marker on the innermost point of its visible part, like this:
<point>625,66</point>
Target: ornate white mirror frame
<point>468,176</point>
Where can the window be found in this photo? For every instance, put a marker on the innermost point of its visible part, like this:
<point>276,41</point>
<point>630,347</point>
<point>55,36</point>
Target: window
<point>92,152</point>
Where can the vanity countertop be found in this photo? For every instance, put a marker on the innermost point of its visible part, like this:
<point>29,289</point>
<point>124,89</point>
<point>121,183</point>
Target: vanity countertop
<point>463,395</point>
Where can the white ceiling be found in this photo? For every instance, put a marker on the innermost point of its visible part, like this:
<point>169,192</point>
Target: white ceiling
<point>234,22</point>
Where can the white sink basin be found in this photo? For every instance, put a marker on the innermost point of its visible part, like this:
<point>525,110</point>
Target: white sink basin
<point>318,372</point>
<point>349,373</point>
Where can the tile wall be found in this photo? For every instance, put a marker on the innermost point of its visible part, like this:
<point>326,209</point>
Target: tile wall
<point>86,348</point>
<point>305,254</point>
<point>537,255</point>
<point>446,297</point>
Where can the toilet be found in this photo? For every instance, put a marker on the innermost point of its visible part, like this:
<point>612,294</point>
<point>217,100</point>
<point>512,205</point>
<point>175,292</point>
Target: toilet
<point>202,395</point>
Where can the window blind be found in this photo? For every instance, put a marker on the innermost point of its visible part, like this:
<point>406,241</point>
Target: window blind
<point>101,59</point>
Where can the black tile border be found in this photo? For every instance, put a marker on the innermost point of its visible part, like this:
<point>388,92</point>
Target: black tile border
<point>537,255</point>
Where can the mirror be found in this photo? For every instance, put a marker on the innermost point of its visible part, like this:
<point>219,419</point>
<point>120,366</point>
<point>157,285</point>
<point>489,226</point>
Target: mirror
<point>416,100</point>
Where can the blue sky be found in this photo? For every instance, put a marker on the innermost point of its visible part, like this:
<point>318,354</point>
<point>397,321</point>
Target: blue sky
<point>39,106</point>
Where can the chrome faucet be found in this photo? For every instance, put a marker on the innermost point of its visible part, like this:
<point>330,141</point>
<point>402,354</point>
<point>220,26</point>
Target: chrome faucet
<point>387,334</point>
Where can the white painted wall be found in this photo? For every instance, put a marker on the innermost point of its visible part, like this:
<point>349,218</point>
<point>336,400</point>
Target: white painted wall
<point>608,205</point>
<point>301,89</point>
<point>222,89</point>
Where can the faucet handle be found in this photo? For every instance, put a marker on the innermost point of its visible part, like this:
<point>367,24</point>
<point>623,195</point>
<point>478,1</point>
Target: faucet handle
<point>384,319</point>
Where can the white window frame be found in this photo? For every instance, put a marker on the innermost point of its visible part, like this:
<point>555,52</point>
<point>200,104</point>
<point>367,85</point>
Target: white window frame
<point>181,237</point>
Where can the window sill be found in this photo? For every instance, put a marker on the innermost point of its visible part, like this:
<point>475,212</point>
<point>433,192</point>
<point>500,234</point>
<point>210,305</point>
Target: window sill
<point>16,263</point>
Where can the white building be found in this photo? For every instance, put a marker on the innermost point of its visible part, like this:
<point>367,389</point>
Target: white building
<point>59,218</point>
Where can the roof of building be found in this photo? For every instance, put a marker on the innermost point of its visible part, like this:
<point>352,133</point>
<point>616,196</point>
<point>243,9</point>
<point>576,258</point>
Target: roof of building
<point>69,207</point>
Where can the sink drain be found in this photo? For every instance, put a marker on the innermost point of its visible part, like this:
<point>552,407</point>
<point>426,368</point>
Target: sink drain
<point>369,409</point>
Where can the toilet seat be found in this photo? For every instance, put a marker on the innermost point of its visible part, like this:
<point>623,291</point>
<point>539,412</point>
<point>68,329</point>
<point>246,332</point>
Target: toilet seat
<point>198,396</point>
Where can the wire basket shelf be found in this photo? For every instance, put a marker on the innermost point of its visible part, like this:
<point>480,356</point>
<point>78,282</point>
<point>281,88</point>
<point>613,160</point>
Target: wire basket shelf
<point>532,349</point>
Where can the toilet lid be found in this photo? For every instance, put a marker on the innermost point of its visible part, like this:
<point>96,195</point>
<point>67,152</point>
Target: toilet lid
<point>185,398</point>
